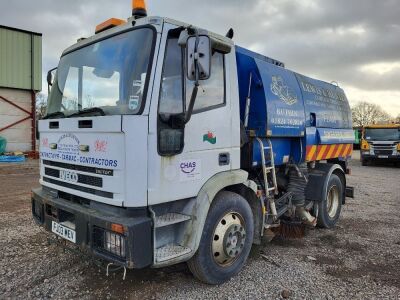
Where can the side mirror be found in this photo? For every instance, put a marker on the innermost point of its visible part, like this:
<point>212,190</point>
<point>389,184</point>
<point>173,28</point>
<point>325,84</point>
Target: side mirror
<point>198,57</point>
<point>37,130</point>
<point>49,78</point>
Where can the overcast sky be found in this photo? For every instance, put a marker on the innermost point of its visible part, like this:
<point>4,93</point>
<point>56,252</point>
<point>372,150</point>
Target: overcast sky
<point>353,42</point>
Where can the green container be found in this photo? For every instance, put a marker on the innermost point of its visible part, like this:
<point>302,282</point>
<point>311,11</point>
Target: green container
<point>3,144</point>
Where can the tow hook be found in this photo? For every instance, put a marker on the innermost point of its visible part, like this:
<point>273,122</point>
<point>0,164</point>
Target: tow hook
<point>64,246</point>
<point>116,269</point>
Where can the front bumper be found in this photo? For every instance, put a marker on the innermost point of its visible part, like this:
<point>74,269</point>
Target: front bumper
<point>91,223</point>
<point>392,158</point>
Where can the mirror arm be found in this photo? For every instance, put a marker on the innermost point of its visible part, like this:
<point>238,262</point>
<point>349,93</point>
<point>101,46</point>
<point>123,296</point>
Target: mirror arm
<point>189,112</point>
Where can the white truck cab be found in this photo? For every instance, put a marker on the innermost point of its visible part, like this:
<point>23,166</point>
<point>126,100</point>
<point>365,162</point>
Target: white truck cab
<point>107,139</point>
<point>149,166</point>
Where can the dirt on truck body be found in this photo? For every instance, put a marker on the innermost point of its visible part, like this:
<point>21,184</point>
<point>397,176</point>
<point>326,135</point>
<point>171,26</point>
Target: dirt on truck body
<point>359,258</point>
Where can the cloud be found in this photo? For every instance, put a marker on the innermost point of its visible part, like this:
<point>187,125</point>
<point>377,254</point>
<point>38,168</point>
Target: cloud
<point>352,42</point>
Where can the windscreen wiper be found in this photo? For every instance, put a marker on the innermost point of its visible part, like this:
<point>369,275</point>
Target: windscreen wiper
<point>54,115</point>
<point>92,110</point>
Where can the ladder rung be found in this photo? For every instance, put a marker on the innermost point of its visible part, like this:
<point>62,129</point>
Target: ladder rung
<point>271,189</point>
<point>269,168</point>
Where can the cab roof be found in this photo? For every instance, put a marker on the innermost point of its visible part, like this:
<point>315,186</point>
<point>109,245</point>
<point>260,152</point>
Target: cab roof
<point>381,126</point>
<point>154,21</point>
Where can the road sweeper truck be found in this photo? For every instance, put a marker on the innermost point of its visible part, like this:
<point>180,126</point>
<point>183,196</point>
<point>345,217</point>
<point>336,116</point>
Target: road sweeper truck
<point>166,143</point>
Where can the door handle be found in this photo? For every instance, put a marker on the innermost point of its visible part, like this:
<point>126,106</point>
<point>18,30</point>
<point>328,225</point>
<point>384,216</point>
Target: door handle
<point>224,159</point>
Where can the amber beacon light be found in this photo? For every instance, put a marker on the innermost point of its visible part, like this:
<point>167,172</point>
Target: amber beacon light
<point>110,23</point>
<point>139,8</point>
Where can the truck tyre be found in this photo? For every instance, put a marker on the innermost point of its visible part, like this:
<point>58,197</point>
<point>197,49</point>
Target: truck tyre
<point>226,239</point>
<point>330,207</point>
<point>364,162</point>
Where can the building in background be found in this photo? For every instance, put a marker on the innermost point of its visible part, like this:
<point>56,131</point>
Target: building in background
<point>20,80</point>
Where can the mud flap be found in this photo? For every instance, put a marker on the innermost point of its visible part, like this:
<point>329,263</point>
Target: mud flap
<point>350,192</point>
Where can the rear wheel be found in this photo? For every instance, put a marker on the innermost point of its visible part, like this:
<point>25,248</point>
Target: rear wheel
<point>330,207</point>
<point>364,162</point>
<point>226,239</point>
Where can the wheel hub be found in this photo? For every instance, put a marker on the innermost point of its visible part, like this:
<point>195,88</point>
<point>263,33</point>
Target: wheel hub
<point>234,240</point>
<point>332,201</point>
<point>229,239</point>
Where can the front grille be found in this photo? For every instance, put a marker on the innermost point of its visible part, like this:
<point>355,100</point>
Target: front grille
<point>383,148</point>
<point>79,188</point>
<point>84,179</point>
<point>74,198</point>
<point>100,171</point>
<point>383,152</point>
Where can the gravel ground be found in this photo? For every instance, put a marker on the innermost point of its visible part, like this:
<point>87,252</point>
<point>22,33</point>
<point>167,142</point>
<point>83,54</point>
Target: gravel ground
<point>358,259</point>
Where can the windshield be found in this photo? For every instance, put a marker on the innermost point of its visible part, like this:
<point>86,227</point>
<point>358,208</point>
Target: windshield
<point>110,75</point>
<point>382,134</point>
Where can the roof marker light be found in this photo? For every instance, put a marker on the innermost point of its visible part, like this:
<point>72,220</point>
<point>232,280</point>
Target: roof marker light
<point>110,23</point>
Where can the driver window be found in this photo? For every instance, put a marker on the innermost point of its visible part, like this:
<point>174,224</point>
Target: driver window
<point>171,99</point>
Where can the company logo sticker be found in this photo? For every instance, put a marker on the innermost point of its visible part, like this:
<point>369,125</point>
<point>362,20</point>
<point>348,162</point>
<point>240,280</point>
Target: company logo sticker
<point>284,92</point>
<point>100,146</point>
<point>210,137</point>
<point>133,102</point>
<point>190,169</point>
<point>45,142</point>
<point>69,148</point>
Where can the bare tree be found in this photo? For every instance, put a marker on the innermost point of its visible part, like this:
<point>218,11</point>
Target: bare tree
<point>88,101</point>
<point>365,113</point>
<point>41,105</point>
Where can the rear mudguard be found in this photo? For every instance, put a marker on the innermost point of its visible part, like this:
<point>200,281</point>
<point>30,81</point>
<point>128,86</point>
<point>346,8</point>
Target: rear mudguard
<point>318,181</point>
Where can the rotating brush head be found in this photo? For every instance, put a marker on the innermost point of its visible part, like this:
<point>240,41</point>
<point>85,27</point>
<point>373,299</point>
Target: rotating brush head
<point>290,230</point>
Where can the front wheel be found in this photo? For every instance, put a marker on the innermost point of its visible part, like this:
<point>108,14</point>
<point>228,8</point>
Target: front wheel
<point>226,239</point>
<point>330,207</point>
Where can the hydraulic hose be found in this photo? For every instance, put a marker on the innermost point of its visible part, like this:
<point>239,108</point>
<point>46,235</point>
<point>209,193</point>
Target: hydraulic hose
<point>297,184</point>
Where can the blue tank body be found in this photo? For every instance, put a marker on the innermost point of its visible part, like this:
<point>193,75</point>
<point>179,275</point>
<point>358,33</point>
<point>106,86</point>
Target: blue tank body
<point>294,111</point>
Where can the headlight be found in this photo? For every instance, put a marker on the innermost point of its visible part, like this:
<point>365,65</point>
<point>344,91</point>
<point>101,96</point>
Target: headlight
<point>108,241</point>
<point>115,243</point>
<point>37,210</point>
<point>364,145</point>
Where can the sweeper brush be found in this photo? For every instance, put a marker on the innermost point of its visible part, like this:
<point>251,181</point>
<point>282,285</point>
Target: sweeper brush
<point>290,229</point>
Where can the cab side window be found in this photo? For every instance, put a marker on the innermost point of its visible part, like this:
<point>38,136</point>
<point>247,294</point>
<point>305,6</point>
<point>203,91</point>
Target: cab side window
<point>170,138</point>
<point>171,96</point>
<point>211,92</point>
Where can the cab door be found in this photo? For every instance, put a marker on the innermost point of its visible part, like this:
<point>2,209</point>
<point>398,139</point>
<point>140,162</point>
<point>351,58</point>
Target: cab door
<point>181,159</point>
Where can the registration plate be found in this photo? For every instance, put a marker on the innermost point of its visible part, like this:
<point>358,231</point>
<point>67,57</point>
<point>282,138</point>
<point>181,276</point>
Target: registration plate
<point>382,156</point>
<point>63,231</point>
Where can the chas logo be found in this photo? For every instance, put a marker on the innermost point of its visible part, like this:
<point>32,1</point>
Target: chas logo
<point>188,167</point>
